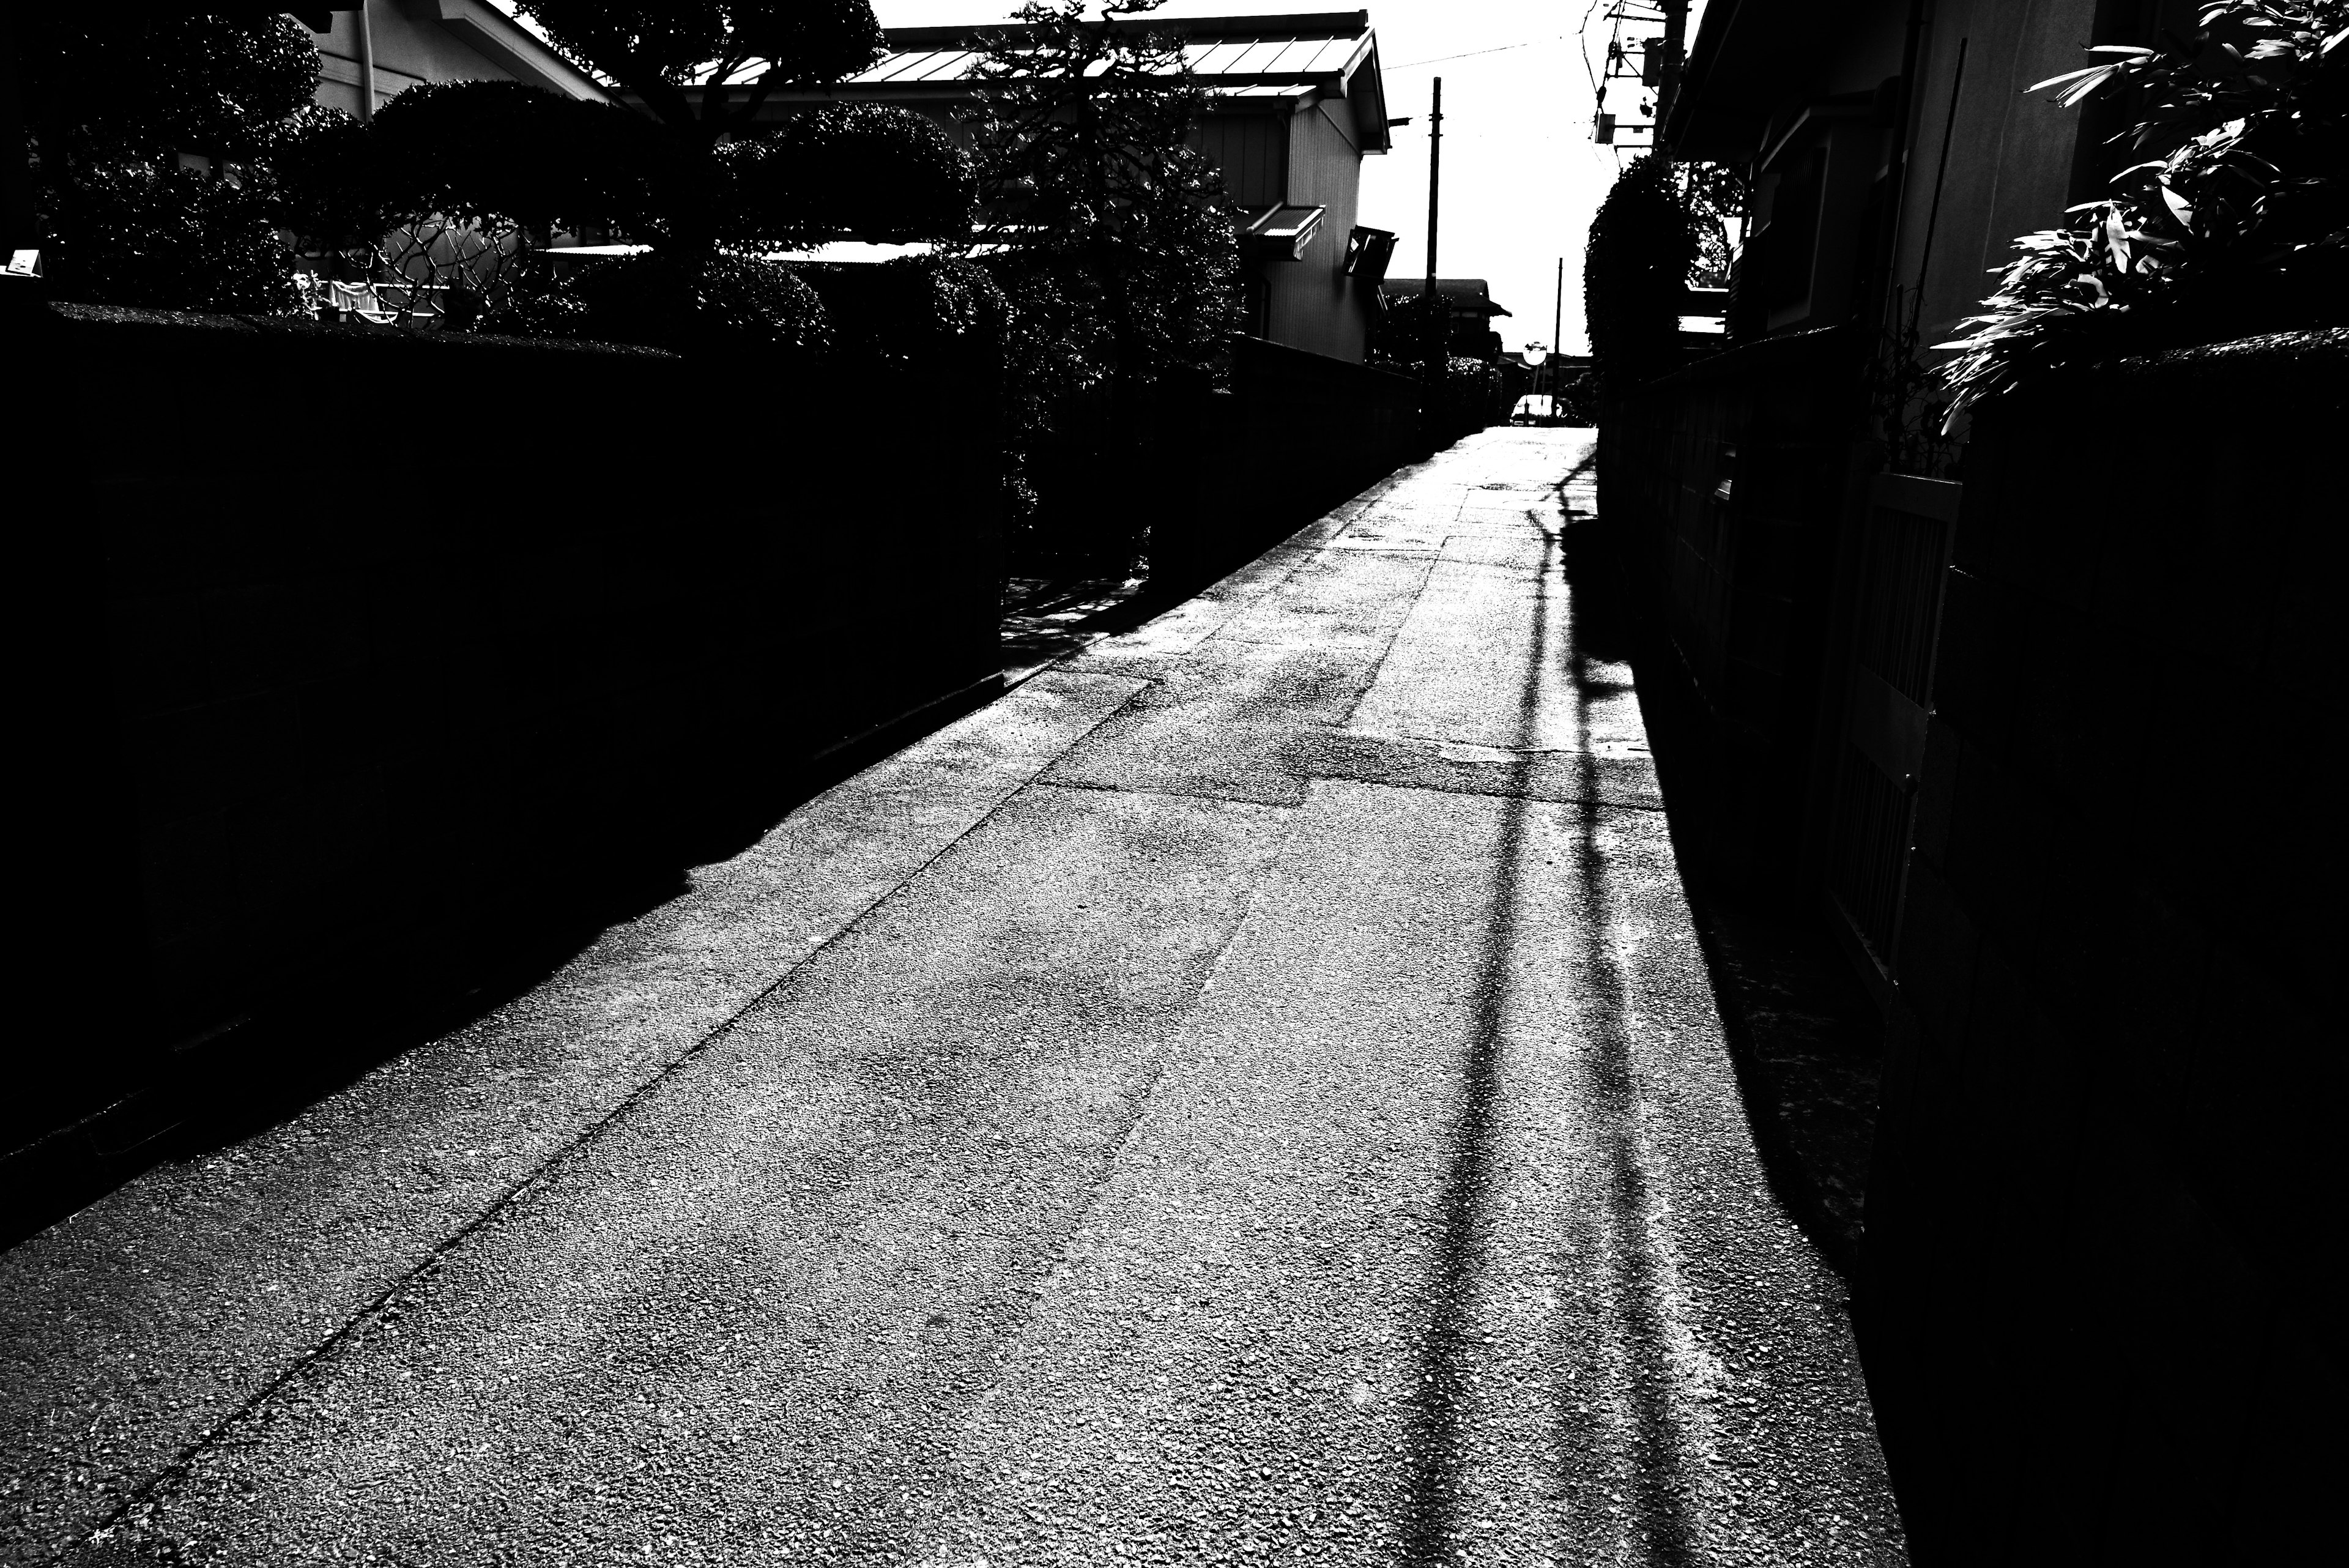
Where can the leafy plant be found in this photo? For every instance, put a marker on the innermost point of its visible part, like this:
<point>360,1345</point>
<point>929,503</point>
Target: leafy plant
<point>725,302</point>
<point>1635,274</point>
<point>2237,223</point>
<point>1108,221</point>
<point>913,311</point>
<point>151,136</point>
<point>874,170</point>
<point>724,184</point>
<point>145,233</point>
<point>703,71</point>
<point>1112,238</point>
<point>1714,197</point>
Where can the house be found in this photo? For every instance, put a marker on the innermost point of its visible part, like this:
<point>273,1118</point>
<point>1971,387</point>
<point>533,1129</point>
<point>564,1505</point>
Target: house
<point>1295,104</point>
<point>1468,301</point>
<point>367,54</point>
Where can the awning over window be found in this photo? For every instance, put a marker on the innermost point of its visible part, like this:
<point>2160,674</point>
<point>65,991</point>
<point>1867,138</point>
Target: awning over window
<point>1281,232</point>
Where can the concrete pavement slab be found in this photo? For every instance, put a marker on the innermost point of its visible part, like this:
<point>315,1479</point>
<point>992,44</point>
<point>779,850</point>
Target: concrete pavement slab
<point>1440,1238</point>
<point>740,1325</point>
<point>135,1327</point>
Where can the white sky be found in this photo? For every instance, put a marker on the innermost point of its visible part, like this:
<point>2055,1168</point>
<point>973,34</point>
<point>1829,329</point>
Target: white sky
<point>1521,176</point>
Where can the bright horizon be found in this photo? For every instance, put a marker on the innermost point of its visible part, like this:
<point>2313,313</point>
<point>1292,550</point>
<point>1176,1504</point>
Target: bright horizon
<point>1522,178</point>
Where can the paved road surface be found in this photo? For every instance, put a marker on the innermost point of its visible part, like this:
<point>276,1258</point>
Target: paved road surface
<point>1250,1094</point>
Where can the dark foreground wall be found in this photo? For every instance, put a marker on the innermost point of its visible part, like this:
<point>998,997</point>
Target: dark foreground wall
<point>1730,487</point>
<point>1296,434</point>
<point>347,648</point>
<point>2100,1312</point>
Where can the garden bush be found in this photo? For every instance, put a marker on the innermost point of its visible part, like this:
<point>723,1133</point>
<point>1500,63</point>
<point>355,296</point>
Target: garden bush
<point>874,170</point>
<point>726,303</point>
<point>1635,274</point>
<point>113,101</point>
<point>493,153</point>
<point>915,310</point>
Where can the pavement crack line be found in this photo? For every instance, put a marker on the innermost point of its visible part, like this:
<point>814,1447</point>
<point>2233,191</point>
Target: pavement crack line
<point>181,1463</point>
<point>1386,648</point>
<point>1031,1300</point>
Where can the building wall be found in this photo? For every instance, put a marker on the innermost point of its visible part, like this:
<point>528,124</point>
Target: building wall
<point>2010,154</point>
<point>1314,306</point>
<point>1727,484</point>
<point>2014,159</point>
<point>406,51</point>
<point>1251,149</point>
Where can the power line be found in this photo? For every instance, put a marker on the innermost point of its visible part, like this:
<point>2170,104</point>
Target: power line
<point>1472,53</point>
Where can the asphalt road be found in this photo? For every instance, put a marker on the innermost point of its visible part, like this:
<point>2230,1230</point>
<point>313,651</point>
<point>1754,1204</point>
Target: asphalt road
<point>1250,1094</point>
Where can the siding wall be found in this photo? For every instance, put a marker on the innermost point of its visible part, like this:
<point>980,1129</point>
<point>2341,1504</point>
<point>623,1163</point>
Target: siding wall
<point>1314,305</point>
<point>2011,153</point>
<point>407,52</point>
<point>1252,152</point>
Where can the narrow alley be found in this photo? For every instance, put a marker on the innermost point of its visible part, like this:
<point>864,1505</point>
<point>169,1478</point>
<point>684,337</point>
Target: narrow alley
<point>1251,1093</point>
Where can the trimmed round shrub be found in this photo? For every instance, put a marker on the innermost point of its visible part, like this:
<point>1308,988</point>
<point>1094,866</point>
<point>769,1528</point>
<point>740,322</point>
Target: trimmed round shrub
<point>477,151</point>
<point>730,303</point>
<point>872,170</point>
<point>111,96</point>
<point>803,41</point>
<point>333,190</point>
<point>916,308</point>
<point>162,238</point>
<point>1635,273</point>
<point>129,77</point>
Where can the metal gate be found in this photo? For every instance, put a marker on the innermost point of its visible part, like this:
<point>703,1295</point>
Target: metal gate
<point>1904,562</point>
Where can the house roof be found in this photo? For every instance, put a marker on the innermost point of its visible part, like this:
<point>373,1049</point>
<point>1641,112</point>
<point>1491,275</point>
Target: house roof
<point>1333,53</point>
<point>1465,296</point>
<point>1750,58</point>
<point>507,44</point>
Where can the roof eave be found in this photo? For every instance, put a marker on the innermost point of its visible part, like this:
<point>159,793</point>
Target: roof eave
<point>1370,117</point>
<point>505,41</point>
<point>1750,59</point>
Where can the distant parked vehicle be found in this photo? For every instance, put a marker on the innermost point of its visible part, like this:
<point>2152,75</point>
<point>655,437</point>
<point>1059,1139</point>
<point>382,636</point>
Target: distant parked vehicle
<point>1535,409</point>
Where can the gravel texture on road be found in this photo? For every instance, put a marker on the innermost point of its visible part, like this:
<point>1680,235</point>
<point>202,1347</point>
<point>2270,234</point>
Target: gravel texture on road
<point>1253,1094</point>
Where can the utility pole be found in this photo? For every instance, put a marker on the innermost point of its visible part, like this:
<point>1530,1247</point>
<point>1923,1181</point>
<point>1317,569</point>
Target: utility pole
<point>1558,331</point>
<point>1668,80</point>
<point>1437,325</point>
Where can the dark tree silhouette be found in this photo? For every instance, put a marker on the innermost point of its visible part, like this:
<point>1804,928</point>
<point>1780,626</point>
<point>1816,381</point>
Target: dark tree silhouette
<point>1635,274</point>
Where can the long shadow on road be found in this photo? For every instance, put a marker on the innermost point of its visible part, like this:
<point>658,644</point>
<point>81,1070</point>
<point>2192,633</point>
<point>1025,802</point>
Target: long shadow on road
<point>1803,1039</point>
<point>1439,1501</point>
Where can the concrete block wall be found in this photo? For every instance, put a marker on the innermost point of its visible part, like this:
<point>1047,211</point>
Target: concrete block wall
<point>1296,434</point>
<point>2097,1310</point>
<point>360,643</point>
<point>1730,481</point>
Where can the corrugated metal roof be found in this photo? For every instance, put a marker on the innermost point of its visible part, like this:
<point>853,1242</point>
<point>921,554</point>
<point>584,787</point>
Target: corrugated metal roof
<point>1209,59</point>
<point>1232,58</point>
